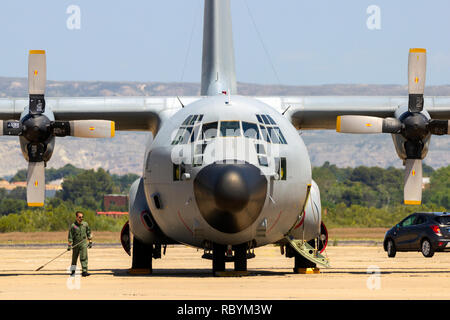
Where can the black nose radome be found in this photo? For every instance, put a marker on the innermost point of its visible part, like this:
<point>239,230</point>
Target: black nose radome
<point>230,196</point>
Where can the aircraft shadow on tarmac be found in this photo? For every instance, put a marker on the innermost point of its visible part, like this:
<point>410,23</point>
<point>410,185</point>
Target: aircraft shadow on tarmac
<point>206,273</point>
<point>193,273</point>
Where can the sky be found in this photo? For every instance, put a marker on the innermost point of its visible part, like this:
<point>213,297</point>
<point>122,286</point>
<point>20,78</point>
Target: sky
<point>295,42</point>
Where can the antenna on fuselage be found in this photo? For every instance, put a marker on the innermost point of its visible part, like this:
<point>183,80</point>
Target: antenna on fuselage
<point>182,105</point>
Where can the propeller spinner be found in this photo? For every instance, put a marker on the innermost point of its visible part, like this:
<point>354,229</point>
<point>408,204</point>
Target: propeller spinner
<point>413,126</point>
<point>37,128</point>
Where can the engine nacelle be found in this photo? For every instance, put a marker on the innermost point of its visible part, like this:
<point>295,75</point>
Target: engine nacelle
<point>142,224</point>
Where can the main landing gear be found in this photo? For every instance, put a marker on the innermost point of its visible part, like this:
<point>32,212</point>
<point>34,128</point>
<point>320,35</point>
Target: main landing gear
<point>142,256</point>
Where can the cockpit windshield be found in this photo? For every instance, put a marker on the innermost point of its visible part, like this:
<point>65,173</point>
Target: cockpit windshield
<point>230,129</point>
<point>209,130</point>
<point>193,130</point>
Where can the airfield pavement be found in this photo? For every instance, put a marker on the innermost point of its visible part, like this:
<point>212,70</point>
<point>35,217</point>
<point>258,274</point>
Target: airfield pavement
<point>357,272</point>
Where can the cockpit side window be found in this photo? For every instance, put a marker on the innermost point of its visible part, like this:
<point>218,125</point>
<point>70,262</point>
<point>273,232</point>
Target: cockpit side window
<point>270,119</point>
<point>230,129</point>
<point>280,135</point>
<point>264,133</point>
<point>186,121</point>
<point>184,134</point>
<point>269,129</point>
<point>265,119</point>
<point>193,119</point>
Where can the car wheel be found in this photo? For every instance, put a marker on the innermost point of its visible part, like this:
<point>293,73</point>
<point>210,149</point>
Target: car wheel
<point>390,248</point>
<point>426,248</point>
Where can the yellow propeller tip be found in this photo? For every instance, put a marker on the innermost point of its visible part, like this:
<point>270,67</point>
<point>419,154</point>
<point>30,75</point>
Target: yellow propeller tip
<point>37,51</point>
<point>338,124</point>
<point>35,204</point>
<point>413,202</point>
<point>113,129</point>
<point>418,50</point>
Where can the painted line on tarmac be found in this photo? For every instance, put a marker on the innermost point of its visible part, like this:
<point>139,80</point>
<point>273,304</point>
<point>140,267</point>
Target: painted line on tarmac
<point>53,245</point>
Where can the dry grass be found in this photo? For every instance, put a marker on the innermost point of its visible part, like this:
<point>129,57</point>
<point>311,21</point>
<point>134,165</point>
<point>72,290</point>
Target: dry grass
<point>357,233</point>
<point>113,237</point>
<point>54,237</point>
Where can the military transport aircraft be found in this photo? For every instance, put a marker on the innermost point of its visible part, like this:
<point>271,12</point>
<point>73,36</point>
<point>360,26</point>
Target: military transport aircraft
<point>224,172</point>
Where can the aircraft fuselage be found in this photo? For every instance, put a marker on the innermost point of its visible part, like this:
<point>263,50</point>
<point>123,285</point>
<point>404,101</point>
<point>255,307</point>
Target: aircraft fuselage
<point>224,170</point>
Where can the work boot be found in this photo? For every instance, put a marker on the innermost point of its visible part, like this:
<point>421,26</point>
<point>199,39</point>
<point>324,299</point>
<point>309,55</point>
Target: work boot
<point>85,274</point>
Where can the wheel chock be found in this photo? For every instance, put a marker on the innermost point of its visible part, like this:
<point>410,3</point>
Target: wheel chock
<point>307,270</point>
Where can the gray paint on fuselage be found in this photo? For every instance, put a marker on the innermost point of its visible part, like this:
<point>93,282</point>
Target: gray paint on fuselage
<point>180,218</point>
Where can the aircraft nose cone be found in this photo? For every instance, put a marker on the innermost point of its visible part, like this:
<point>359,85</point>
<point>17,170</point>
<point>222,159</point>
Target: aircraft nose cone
<point>230,196</point>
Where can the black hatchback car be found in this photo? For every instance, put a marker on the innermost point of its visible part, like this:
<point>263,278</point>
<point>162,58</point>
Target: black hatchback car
<point>427,232</point>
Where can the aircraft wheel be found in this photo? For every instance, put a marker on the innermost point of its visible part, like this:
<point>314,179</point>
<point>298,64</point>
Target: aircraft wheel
<point>218,257</point>
<point>240,257</point>
<point>142,255</point>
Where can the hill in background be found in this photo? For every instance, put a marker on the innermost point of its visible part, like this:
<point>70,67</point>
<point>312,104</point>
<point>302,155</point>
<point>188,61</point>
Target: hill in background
<point>125,153</point>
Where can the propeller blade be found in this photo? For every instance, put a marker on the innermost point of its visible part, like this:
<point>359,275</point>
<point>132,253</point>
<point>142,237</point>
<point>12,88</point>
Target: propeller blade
<point>412,192</point>
<point>36,184</point>
<point>10,128</point>
<point>417,67</point>
<point>439,127</point>
<point>92,128</point>
<point>359,124</point>
<point>37,77</point>
<point>37,72</point>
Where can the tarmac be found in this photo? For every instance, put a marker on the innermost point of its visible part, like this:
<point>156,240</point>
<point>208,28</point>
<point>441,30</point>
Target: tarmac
<point>357,272</point>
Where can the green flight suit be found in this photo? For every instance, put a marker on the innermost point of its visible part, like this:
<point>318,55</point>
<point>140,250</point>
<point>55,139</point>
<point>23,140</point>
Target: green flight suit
<point>79,233</point>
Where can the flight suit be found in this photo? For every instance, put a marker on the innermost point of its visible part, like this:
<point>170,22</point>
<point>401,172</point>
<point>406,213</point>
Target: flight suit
<point>80,233</point>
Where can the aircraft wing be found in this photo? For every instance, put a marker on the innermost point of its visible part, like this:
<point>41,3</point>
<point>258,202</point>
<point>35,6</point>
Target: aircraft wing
<point>320,112</point>
<point>147,113</point>
<point>128,113</point>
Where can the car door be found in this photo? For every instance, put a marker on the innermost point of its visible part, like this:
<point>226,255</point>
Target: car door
<point>403,233</point>
<point>415,232</point>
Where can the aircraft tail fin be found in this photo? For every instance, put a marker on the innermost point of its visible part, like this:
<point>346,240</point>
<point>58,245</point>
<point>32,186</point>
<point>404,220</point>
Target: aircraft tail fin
<point>218,67</point>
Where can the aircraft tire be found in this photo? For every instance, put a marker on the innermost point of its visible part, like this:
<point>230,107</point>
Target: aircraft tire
<point>218,261</point>
<point>240,257</point>
<point>142,255</point>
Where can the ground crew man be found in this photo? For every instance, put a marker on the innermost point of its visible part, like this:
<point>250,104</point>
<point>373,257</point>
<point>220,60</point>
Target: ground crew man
<point>79,234</point>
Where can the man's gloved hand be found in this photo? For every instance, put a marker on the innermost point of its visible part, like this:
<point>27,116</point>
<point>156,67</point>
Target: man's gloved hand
<point>69,247</point>
<point>90,244</point>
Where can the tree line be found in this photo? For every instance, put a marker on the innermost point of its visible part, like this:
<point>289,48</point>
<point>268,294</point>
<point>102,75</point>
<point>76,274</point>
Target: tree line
<point>81,190</point>
<point>373,197</point>
<point>358,197</point>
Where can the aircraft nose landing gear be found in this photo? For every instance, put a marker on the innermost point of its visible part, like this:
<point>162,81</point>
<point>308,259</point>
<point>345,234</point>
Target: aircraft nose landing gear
<point>220,254</point>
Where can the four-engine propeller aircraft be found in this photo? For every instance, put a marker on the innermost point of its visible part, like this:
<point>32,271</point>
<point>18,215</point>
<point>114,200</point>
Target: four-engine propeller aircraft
<point>224,172</point>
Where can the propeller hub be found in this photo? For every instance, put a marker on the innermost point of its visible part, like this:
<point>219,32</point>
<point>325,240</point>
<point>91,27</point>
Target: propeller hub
<point>36,128</point>
<point>415,127</point>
